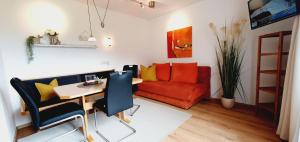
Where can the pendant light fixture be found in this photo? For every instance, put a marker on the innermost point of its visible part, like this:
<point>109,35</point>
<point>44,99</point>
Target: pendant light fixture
<point>102,21</point>
<point>91,38</point>
<point>151,4</point>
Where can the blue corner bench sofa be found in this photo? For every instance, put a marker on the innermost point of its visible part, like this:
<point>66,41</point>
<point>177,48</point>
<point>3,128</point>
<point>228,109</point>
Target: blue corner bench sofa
<point>62,80</point>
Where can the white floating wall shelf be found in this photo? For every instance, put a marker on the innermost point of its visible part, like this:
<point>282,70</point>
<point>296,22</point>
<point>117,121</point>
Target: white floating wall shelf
<point>65,46</point>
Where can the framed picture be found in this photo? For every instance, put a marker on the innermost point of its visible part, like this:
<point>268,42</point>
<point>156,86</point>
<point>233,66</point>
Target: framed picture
<point>90,78</point>
<point>180,43</point>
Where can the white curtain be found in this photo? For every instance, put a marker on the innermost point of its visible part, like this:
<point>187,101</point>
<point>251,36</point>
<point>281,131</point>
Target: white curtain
<point>289,122</point>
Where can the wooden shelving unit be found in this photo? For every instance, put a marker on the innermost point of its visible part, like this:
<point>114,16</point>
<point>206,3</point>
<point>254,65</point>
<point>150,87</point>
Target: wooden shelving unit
<point>272,72</point>
<point>278,73</point>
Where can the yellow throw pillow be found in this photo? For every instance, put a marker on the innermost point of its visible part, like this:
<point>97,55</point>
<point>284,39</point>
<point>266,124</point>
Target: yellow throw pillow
<point>148,74</point>
<point>46,91</point>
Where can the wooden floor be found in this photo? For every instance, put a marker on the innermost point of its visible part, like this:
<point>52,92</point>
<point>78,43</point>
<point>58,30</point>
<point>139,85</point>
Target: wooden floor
<point>210,122</point>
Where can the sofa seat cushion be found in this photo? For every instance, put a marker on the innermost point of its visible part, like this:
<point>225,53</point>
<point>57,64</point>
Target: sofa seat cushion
<point>177,90</point>
<point>60,112</point>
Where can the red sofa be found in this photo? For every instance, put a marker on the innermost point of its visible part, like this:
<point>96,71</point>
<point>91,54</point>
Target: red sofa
<point>183,95</point>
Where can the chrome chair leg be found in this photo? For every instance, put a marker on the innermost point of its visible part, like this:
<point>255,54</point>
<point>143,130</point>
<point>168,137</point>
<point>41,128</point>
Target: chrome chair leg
<point>135,110</point>
<point>60,136</point>
<point>67,133</point>
<point>95,116</point>
<point>122,122</point>
<point>96,127</point>
<point>131,128</point>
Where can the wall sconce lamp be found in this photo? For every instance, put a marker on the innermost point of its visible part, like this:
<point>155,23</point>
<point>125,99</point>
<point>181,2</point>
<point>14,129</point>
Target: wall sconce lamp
<point>107,42</point>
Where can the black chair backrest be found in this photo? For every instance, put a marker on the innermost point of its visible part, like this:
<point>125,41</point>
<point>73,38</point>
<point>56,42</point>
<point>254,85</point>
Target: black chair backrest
<point>31,102</point>
<point>133,68</point>
<point>118,93</point>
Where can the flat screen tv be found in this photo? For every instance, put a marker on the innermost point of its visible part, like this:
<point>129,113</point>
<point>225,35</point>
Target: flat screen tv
<point>264,12</point>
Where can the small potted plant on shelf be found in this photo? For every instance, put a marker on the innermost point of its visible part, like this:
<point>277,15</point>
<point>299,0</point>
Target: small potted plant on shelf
<point>229,61</point>
<point>30,41</point>
<point>29,46</point>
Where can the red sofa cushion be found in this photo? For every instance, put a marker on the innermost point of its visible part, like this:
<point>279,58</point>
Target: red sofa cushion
<point>176,90</point>
<point>185,72</point>
<point>163,71</point>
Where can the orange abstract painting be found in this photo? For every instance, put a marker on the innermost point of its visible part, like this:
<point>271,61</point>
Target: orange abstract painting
<point>180,43</point>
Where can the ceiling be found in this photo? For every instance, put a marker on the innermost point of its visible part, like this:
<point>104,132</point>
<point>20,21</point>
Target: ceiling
<point>131,8</point>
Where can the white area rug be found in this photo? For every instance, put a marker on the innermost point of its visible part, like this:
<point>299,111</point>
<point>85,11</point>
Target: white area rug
<point>152,121</point>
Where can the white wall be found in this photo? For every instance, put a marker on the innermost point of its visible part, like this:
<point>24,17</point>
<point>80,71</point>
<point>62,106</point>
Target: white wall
<point>135,41</point>
<point>199,15</point>
<point>22,18</point>
<point>7,125</point>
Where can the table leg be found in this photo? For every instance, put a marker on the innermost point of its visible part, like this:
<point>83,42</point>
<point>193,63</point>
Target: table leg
<point>89,136</point>
<point>122,116</point>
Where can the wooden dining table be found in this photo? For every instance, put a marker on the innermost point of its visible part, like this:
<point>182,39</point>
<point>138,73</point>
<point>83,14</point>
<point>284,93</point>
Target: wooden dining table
<point>81,92</point>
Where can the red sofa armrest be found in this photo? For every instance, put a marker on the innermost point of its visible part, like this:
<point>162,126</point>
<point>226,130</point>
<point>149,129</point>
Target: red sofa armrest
<point>204,77</point>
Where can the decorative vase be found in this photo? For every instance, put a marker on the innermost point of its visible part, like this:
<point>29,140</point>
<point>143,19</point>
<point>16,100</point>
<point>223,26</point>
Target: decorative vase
<point>51,39</point>
<point>227,103</point>
<point>45,40</point>
<point>54,40</point>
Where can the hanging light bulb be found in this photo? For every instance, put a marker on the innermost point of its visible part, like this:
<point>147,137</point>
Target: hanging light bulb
<point>91,38</point>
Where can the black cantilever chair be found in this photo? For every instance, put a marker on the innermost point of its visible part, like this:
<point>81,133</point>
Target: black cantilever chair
<point>134,69</point>
<point>117,98</point>
<point>47,118</point>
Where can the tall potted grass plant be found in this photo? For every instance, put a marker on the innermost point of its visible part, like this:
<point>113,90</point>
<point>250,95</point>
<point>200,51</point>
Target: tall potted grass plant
<point>230,57</point>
